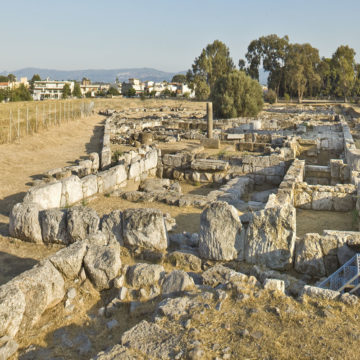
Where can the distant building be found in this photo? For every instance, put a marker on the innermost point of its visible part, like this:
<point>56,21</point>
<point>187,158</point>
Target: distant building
<point>135,84</point>
<point>50,89</point>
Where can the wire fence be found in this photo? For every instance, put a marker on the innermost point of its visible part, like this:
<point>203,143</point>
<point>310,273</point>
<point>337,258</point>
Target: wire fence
<point>18,121</point>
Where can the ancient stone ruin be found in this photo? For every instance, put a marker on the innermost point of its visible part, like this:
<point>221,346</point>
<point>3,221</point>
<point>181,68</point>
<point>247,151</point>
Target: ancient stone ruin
<point>258,176</point>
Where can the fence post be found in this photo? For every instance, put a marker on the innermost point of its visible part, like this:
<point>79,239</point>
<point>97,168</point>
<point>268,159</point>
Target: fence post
<point>18,129</point>
<point>10,120</point>
<point>36,118</point>
<point>27,120</point>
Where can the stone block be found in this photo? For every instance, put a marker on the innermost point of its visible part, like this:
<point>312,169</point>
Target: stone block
<point>89,186</point>
<point>71,191</point>
<point>47,196</point>
<point>322,200</point>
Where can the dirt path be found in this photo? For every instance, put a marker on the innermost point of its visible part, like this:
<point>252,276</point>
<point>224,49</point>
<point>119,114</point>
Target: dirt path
<point>24,161</point>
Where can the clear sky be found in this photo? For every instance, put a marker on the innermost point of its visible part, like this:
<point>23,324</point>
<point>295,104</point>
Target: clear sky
<point>164,34</point>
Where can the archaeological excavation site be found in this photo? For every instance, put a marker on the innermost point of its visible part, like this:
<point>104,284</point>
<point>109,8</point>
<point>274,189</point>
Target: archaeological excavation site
<point>190,237</point>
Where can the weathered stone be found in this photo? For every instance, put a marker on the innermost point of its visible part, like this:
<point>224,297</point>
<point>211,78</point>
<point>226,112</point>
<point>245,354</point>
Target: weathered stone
<point>151,340</point>
<point>107,181</point>
<point>95,160</point>
<point>271,237</point>
<point>145,228</point>
<point>309,256</point>
<point>47,196</point>
<point>25,222</point>
<point>82,222</point>
<point>8,347</point>
<point>209,165</point>
<point>43,288</point>
<point>344,254</point>
<point>69,260</point>
<point>302,200</point>
<point>140,275</point>
<point>71,192</point>
<point>102,265</point>
<point>175,308</point>
<point>185,260</point>
<point>320,293</point>
<point>343,202</point>
<point>275,285</point>
<point>12,308</point>
<point>111,226</point>
<point>322,200</point>
<point>177,281</point>
<point>218,274</point>
<point>220,236</point>
<point>54,226</point>
<point>89,185</point>
<point>117,352</point>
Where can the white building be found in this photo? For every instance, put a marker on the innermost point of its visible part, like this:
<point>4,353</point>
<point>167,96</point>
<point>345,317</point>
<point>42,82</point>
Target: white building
<point>50,89</point>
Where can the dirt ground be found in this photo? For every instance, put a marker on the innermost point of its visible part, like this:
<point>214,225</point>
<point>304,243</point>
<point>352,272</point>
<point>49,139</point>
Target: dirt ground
<point>311,221</point>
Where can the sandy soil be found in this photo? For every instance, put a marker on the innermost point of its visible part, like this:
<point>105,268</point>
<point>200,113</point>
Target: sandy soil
<point>311,221</point>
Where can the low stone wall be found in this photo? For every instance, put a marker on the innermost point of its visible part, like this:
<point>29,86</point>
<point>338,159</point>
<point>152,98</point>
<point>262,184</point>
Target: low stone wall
<point>352,154</point>
<point>133,165</point>
<point>335,173</point>
<point>321,255</point>
<point>321,197</point>
<point>105,154</point>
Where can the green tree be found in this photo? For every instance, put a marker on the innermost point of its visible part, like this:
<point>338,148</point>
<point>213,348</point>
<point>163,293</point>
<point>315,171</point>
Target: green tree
<point>343,62</point>
<point>21,93</point>
<point>325,71</point>
<point>113,91</point>
<point>271,51</point>
<point>213,63</point>
<point>66,91</point>
<point>3,78</point>
<point>77,90</point>
<point>237,94</point>
<point>179,78</point>
<point>88,94</point>
<point>36,77</point>
<point>11,77</point>
<point>131,92</point>
<point>301,68</point>
<point>4,94</point>
<point>270,96</point>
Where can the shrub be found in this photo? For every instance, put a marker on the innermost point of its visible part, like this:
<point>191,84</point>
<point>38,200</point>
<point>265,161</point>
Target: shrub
<point>287,97</point>
<point>237,94</point>
<point>270,96</point>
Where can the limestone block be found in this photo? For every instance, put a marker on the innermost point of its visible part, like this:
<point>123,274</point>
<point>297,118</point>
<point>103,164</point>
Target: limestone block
<point>12,308</point>
<point>107,181</point>
<point>309,256</point>
<point>322,200</point>
<point>270,237</point>
<point>274,285</point>
<point>177,281</point>
<point>145,228</point>
<point>102,264</point>
<point>8,347</point>
<point>135,170</point>
<point>95,162</point>
<point>209,165</point>
<point>25,222</point>
<point>71,192</point>
<point>343,202</point>
<point>302,200</point>
<point>47,196</point>
<point>141,275</point>
<point>316,292</point>
<point>221,236</point>
<point>54,226</point>
<point>43,288</point>
<point>82,222</point>
<point>89,185</point>
<point>70,259</point>
<point>151,160</point>
<point>85,168</point>
<point>105,157</point>
<point>121,174</point>
<point>111,226</point>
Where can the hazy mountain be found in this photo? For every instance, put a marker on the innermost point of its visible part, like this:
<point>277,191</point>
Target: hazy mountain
<point>108,76</point>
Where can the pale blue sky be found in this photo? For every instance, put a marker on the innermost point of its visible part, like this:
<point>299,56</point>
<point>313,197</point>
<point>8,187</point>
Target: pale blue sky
<point>164,34</point>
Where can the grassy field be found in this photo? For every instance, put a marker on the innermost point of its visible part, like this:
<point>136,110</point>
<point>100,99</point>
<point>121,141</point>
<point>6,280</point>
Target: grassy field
<point>19,119</point>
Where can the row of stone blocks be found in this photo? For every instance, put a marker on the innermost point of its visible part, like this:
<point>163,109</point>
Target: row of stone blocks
<point>73,189</point>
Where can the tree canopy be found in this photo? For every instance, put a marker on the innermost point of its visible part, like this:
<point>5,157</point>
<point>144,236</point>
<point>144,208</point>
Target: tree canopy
<point>213,63</point>
<point>237,94</point>
<point>66,91</point>
<point>179,78</point>
<point>77,90</point>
